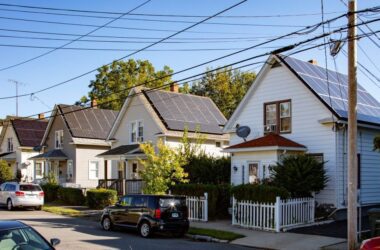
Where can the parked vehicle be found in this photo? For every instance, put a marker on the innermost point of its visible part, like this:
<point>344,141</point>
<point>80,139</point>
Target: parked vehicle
<point>371,244</point>
<point>148,214</point>
<point>13,194</point>
<point>15,235</point>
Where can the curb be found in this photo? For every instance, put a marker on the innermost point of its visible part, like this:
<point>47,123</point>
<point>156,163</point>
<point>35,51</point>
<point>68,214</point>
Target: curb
<point>205,238</point>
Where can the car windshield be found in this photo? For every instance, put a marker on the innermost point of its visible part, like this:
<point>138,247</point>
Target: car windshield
<point>172,202</point>
<point>30,188</point>
<point>22,239</point>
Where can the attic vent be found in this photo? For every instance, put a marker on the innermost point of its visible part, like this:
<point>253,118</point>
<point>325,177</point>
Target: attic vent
<point>275,64</point>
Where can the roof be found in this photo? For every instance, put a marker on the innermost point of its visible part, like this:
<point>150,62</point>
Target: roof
<point>91,123</point>
<point>179,111</point>
<point>269,140</point>
<point>331,88</point>
<point>11,224</point>
<point>52,154</point>
<point>29,132</point>
<point>5,154</point>
<point>121,150</point>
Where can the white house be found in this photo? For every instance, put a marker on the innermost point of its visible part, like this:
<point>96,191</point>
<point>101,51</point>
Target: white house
<point>150,115</point>
<point>17,141</point>
<point>293,107</point>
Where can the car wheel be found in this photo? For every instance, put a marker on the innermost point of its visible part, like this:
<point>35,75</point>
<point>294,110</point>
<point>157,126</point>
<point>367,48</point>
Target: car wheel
<point>107,224</point>
<point>9,205</point>
<point>145,230</point>
<point>38,208</point>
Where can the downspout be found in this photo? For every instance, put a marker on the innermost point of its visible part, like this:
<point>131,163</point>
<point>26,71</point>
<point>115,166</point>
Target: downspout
<point>344,153</point>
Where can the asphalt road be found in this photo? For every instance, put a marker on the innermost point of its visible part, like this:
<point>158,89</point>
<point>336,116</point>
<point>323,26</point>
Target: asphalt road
<point>77,233</point>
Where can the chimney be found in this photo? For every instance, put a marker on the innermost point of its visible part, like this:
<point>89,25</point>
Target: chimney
<point>313,61</point>
<point>174,87</point>
<point>41,116</point>
<point>94,103</point>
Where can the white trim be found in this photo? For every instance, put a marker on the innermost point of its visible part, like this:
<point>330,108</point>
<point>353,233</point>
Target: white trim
<point>136,123</point>
<point>89,169</point>
<point>270,148</point>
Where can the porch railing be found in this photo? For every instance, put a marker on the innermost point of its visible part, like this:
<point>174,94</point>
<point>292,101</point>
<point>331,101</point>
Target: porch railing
<point>122,186</point>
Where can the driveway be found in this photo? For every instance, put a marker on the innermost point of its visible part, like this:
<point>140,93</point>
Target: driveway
<point>84,234</point>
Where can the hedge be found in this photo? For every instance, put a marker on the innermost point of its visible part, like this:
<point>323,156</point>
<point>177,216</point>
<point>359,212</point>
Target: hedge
<point>218,197</point>
<point>71,196</point>
<point>51,191</point>
<point>100,198</point>
<point>259,192</point>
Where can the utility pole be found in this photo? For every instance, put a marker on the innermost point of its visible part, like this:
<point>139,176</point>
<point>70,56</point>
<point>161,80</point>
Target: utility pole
<point>352,175</point>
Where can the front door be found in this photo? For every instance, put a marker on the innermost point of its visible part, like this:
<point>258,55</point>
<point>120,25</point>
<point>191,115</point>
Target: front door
<point>253,172</point>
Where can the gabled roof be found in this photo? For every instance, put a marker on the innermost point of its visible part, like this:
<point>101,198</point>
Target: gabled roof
<point>29,132</point>
<point>269,140</point>
<point>52,154</point>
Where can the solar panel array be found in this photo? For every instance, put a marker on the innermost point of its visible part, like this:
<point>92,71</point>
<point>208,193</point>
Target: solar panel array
<point>29,132</point>
<point>179,111</point>
<point>334,91</point>
<point>88,123</point>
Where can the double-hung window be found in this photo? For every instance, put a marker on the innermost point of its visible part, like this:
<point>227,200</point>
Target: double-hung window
<point>137,131</point>
<point>93,170</point>
<point>277,117</point>
<point>38,169</point>
<point>10,144</point>
<point>59,139</point>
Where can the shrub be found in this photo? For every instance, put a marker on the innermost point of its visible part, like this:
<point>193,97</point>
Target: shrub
<point>300,175</point>
<point>5,172</point>
<point>100,198</point>
<point>259,192</point>
<point>218,197</point>
<point>51,191</point>
<point>71,196</point>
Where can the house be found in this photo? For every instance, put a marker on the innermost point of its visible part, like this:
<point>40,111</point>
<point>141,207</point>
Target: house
<point>73,138</point>
<point>18,139</point>
<point>299,107</point>
<point>149,115</point>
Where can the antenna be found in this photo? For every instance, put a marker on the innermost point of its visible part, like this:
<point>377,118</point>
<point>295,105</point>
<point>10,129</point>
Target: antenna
<point>243,131</point>
<point>16,83</point>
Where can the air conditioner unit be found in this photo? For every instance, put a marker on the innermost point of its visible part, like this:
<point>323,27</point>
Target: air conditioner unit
<point>271,128</point>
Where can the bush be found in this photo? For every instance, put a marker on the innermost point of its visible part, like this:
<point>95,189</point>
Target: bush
<point>71,196</point>
<point>259,192</point>
<point>100,198</point>
<point>300,175</point>
<point>5,172</point>
<point>51,191</point>
<point>218,197</point>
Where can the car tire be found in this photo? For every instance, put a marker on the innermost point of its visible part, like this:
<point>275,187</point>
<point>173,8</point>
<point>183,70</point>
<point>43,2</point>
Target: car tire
<point>107,224</point>
<point>145,230</point>
<point>10,205</point>
<point>38,208</point>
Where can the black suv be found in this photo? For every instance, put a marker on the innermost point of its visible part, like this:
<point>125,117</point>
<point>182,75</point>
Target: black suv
<point>148,214</point>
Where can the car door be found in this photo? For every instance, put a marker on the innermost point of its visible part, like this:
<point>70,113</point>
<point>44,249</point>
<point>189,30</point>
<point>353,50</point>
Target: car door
<point>138,207</point>
<point>2,187</point>
<point>120,211</point>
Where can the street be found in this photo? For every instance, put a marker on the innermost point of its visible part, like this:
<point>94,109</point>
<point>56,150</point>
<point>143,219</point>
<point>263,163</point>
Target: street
<point>77,233</point>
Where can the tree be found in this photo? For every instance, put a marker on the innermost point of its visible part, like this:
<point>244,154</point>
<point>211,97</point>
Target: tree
<point>5,172</point>
<point>224,86</point>
<point>162,169</point>
<point>113,82</point>
<point>300,175</point>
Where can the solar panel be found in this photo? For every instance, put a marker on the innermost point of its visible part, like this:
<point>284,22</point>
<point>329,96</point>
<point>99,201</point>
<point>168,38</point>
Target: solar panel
<point>334,91</point>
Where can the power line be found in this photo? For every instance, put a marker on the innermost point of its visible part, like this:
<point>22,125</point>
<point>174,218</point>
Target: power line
<point>74,40</point>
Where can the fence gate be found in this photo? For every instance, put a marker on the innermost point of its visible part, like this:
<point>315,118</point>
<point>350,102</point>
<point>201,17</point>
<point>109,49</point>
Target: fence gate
<point>198,207</point>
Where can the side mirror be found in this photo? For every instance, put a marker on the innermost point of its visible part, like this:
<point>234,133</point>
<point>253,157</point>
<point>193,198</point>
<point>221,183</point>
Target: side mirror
<point>55,241</point>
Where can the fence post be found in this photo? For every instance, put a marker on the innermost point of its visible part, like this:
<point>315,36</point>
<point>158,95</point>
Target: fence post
<point>205,207</point>
<point>233,210</point>
<point>277,211</point>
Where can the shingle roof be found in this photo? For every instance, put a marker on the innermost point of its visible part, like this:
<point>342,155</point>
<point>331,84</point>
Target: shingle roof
<point>178,111</point>
<point>29,132</point>
<point>269,140</point>
<point>52,154</point>
<point>124,149</point>
<point>88,123</point>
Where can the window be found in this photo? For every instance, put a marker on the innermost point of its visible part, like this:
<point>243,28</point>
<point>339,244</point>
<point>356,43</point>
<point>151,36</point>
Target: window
<point>38,169</point>
<point>139,201</point>
<point>126,201</point>
<point>318,157</point>
<point>137,131</point>
<point>59,139</point>
<point>277,117</point>
<point>93,168</point>
<point>10,145</point>
<point>218,144</point>
<point>253,172</point>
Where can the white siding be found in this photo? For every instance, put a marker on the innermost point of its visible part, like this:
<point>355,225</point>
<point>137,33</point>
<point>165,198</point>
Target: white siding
<point>208,146</point>
<point>281,84</point>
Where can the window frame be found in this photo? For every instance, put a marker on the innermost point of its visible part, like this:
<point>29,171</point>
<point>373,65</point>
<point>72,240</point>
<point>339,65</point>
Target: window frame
<point>138,135</point>
<point>38,176</point>
<point>278,115</point>
<point>90,177</point>
<point>10,144</point>
<point>58,137</point>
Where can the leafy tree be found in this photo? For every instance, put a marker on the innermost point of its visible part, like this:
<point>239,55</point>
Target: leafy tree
<point>190,148</point>
<point>225,87</point>
<point>162,169</point>
<point>5,172</point>
<point>300,175</point>
<point>112,83</point>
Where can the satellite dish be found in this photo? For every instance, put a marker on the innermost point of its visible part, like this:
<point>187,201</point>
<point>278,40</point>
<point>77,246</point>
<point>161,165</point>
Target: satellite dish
<point>243,131</point>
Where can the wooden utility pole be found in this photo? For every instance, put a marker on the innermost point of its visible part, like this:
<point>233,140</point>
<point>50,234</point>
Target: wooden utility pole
<point>352,214</point>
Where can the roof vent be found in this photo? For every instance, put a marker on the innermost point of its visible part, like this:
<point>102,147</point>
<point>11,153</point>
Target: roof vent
<point>41,116</point>
<point>174,87</point>
<point>313,61</point>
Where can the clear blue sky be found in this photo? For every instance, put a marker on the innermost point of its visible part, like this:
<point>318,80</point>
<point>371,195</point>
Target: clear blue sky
<point>64,64</point>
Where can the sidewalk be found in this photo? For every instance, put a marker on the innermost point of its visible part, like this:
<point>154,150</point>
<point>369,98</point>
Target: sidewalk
<point>269,240</point>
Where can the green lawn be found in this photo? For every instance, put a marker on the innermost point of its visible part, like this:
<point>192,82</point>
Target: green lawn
<point>61,210</point>
<point>218,234</point>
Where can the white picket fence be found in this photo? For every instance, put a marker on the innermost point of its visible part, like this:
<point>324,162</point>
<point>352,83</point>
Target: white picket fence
<point>198,207</point>
<point>273,216</point>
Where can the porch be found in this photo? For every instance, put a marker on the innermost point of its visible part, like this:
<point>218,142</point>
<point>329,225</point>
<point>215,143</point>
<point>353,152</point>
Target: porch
<point>122,186</point>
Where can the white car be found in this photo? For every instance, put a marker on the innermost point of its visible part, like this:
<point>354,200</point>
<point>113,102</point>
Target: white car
<point>13,194</point>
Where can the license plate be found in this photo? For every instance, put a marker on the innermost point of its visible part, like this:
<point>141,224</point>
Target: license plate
<point>175,215</point>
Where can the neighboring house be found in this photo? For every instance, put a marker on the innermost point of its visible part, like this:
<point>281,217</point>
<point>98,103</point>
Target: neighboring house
<point>73,138</point>
<point>150,115</point>
<point>292,108</point>
<point>18,139</point>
